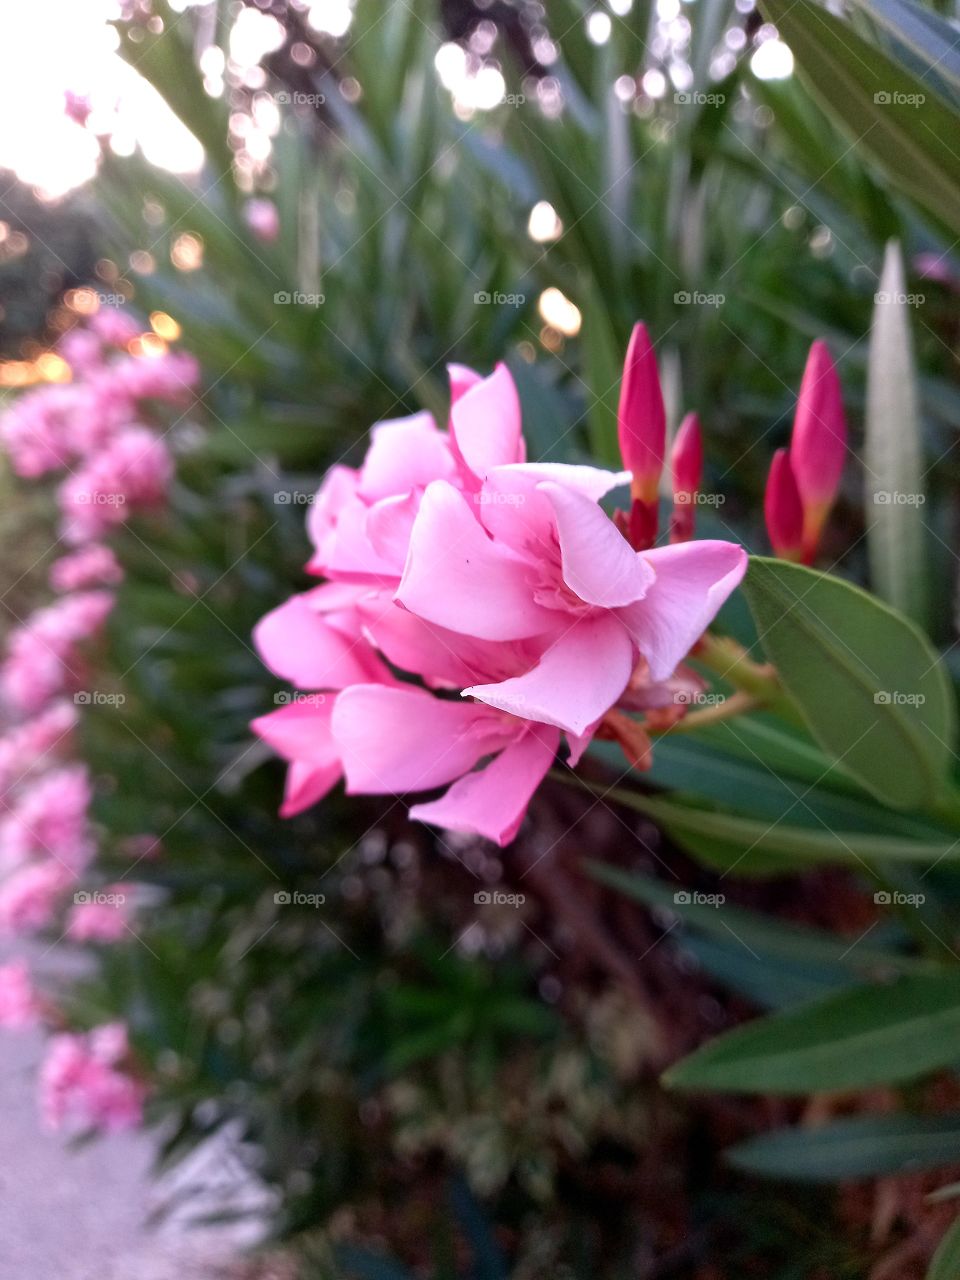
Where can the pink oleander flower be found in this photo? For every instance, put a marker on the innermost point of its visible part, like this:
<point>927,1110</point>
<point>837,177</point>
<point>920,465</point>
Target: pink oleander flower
<point>93,565</point>
<point>262,218</point>
<point>818,445</point>
<point>48,820</point>
<point>42,653</point>
<point>85,1083</point>
<point>103,919</point>
<point>35,744</point>
<point>19,1004</point>
<point>31,897</point>
<point>458,562</point>
<point>131,473</point>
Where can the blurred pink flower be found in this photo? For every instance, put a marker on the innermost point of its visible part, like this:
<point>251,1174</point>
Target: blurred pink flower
<point>42,657</point>
<point>31,897</point>
<point>129,474</point>
<point>93,565</point>
<point>102,919</point>
<point>818,445</point>
<point>83,1083</point>
<point>48,820</point>
<point>262,218</point>
<point>19,1006</point>
<point>35,744</point>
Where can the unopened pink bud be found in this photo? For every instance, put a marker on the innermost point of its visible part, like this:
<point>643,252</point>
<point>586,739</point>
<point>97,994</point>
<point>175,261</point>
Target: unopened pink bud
<point>686,465</point>
<point>818,446</point>
<point>783,509</point>
<point>641,418</point>
<point>686,456</point>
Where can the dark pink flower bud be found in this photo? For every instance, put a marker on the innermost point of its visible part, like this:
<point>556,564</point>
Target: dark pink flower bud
<point>818,447</point>
<point>686,464</point>
<point>783,509</point>
<point>641,418</point>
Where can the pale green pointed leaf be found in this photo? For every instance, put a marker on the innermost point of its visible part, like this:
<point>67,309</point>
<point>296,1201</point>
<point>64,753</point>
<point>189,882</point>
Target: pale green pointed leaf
<point>893,449</point>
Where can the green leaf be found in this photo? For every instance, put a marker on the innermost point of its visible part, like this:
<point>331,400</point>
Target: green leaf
<point>868,683</point>
<point>872,1035</point>
<point>730,840</point>
<point>775,940</point>
<point>893,450</point>
<point>861,1147</point>
<point>895,116</point>
<point>921,32</point>
<point>945,1263</point>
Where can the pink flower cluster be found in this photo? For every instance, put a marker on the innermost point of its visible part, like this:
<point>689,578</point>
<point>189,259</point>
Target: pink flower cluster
<point>91,427</point>
<point>476,607</point>
<point>85,1082</point>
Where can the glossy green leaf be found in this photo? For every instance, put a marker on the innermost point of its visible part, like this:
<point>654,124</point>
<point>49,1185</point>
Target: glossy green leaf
<point>868,682</point>
<point>873,1035</point>
<point>893,450</point>
<point>859,1147</point>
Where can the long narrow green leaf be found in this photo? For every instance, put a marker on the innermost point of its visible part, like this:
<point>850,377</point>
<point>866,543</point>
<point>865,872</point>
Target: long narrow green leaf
<point>896,117</point>
<point>860,1147</point>
<point>873,1035</point>
<point>893,450</point>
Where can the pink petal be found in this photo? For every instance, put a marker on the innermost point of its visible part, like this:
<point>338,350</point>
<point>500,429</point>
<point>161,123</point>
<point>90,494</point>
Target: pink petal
<point>693,581</point>
<point>350,553</point>
<point>485,423</point>
<point>301,731</point>
<point>512,508</point>
<point>492,801</point>
<point>338,488</point>
<point>462,378</point>
<point>404,453</point>
<point>599,565</point>
<point>458,578</point>
<point>297,644</point>
<point>305,785</point>
<point>405,739</point>
<point>578,679</point>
